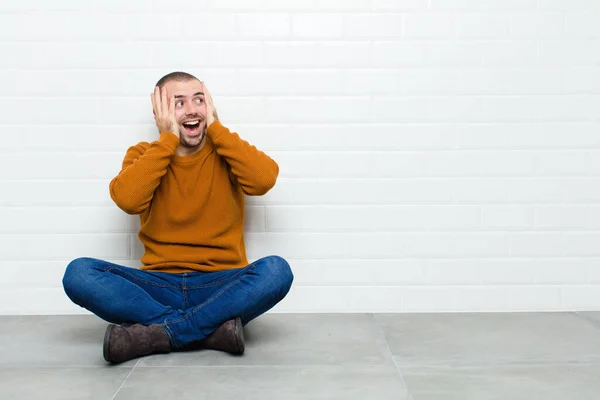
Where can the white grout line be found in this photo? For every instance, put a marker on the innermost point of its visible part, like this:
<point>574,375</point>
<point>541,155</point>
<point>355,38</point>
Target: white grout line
<point>125,380</point>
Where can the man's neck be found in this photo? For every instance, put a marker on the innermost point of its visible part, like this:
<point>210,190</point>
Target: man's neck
<point>184,151</point>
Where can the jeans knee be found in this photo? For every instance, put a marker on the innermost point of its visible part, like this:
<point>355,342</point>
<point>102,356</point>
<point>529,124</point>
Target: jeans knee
<point>74,273</point>
<point>280,268</point>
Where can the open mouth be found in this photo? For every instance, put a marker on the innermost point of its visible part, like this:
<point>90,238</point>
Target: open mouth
<point>192,127</point>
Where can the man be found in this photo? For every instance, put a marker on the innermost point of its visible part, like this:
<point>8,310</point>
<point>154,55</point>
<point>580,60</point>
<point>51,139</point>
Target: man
<point>195,288</point>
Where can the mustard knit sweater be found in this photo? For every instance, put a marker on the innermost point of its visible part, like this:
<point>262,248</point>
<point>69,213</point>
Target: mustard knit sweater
<point>191,208</point>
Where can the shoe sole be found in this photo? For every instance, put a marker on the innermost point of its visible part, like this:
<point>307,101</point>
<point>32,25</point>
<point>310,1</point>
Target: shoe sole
<point>239,335</point>
<point>107,334</point>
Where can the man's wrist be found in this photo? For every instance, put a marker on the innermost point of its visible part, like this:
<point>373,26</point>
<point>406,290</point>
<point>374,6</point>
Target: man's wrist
<point>171,139</point>
<point>214,127</point>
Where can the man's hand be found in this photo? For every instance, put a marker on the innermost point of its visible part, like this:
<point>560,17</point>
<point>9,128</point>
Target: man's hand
<point>164,111</point>
<point>211,111</point>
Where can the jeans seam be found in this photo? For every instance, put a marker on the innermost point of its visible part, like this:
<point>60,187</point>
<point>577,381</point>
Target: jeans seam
<point>241,270</point>
<point>140,279</point>
<point>189,314</point>
<point>184,290</point>
<point>170,334</point>
<point>210,300</point>
<point>207,302</point>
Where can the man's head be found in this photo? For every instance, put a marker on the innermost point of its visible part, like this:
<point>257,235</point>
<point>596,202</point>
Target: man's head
<point>190,107</point>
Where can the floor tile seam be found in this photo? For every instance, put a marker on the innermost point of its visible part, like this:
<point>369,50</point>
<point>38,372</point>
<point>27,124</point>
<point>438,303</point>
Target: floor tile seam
<point>125,380</point>
<point>570,363</point>
<point>296,366</point>
<point>592,321</point>
<point>387,345</point>
<point>66,367</point>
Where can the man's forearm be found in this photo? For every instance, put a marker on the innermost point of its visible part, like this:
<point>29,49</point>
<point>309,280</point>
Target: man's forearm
<point>255,171</point>
<point>143,167</point>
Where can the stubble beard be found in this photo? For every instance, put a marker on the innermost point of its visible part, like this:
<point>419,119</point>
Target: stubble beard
<point>188,142</point>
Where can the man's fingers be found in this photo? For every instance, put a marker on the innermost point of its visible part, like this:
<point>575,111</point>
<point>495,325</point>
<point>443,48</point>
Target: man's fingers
<point>212,103</point>
<point>207,96</point>
<point>206,93</point>
<point>165,103</point>
<point>172,107</point>
<point>157,102</point>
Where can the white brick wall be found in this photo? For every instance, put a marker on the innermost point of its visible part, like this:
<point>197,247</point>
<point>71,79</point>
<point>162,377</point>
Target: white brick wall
<point>436,155</point>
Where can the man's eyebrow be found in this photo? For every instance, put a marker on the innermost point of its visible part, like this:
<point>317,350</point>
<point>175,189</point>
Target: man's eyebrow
<point>179,96</point>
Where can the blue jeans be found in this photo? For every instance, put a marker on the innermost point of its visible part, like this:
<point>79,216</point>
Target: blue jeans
<point>190,306</point>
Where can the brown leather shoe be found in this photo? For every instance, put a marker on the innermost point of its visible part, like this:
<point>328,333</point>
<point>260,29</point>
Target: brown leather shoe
<point>228,337</point>
<point>125,343</point>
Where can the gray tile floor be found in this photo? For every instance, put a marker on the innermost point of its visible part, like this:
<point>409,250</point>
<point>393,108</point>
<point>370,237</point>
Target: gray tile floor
<point>524,356</point>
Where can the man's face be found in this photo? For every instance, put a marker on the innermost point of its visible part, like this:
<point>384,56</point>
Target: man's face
<point>190,110</point>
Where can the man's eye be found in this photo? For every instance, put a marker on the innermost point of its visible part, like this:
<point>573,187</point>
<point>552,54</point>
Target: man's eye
<point>178,103</point>
<point>198,100</point>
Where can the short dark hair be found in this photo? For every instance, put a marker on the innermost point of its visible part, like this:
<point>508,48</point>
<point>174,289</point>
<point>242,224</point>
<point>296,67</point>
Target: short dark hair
<point>175,76</point>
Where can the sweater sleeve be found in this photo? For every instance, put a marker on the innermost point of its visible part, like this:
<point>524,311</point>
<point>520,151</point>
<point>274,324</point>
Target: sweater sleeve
<point>255,171</point>
<point>143,167</point>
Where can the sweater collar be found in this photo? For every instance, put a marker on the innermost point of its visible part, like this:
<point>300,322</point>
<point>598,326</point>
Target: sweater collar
<point>206,149</point>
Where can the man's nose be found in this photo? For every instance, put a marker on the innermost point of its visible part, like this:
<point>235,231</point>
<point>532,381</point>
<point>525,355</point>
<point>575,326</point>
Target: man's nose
<point>188,108</point>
